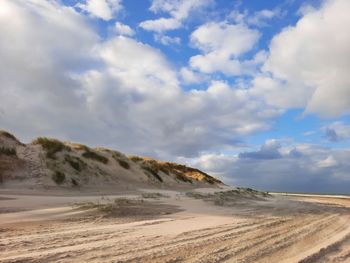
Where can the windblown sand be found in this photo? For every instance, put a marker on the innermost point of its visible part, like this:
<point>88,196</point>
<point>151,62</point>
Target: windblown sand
<point>173,227</point>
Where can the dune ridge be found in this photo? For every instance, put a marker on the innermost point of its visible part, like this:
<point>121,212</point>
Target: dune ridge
<point>48,162</point>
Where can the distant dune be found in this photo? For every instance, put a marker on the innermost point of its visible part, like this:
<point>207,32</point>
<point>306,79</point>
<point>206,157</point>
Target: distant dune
<point>50,163</point>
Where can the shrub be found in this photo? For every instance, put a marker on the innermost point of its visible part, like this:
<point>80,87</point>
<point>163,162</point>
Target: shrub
<point>75,162</point>
<point>58,177</point>
<point>51,146</point>
<point>8,151</point>
<point>124,164</point>
<point>95,156</point>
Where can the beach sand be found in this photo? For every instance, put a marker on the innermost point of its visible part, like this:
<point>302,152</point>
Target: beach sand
<point>172,226</point>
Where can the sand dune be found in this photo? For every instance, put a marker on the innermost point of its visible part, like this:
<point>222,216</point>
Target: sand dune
<point>50,164</point>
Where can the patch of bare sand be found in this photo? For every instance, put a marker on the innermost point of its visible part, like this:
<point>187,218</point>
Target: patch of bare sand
<point>210,227</point>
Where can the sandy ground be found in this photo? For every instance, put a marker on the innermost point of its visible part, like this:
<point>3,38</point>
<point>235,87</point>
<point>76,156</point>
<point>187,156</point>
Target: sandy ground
<point>173,227</point>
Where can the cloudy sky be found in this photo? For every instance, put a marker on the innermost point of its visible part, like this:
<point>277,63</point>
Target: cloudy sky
<point>254,92</point>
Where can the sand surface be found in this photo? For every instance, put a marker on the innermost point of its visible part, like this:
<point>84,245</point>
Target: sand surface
<point>173,227</point>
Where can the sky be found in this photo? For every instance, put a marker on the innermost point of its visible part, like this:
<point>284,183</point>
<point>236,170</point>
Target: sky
<point>254,92</point>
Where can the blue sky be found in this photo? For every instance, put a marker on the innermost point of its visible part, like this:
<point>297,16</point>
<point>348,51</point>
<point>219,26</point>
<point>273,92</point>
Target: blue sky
<point>254,92</point>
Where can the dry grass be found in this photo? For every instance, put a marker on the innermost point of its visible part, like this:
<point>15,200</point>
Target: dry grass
<point>95,156</point>
<point>153,195</point>
<point>79,147</point>
<point>123,207</point>
<point>124,164</point>
<point>8,151</point>
<point>181,172</point>
<point>75,162</point>
<point>8,135</point>
<point>149,171</point>
<point>232,197</point>
<point>135,158</point>
<point>51,146</point>
<point>59,177</point>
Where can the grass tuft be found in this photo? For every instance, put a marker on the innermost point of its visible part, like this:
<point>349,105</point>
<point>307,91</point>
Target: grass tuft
<point>80,147</point>
<point>153,195</point>
<point>51,146</point>
<point>135,158</point>
<point>8,151</point>
<point>58,177</point>
<point>8,135</point>
<point>154,173</point>
<point>74,182</point>
<point>183,178</point>
<point>124,164</point>
<point>95,156</point>
<point>75,162</point>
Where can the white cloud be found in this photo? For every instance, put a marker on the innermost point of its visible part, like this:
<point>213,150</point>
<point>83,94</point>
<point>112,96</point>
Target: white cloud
<point>104,9</point>
<point>161,24</point>
<point>39,93</point>
<point>259,18</point>
<point>330,161</point>
<point>222,44</point>
<point>122,29</point>
<point>190,77</point>
<point>310,62</point>
<point>179,10</point>
<point>337,131</point>
<point>167,40</point>
<point>117,92</point>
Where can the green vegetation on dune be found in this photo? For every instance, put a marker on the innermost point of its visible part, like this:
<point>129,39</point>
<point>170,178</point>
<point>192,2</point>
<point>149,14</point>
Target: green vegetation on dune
<point>58,177</point>
<point>75,162</point>
<point>124,164</point>
<point>8,135</point>
<point>150,171</point>
<point>8,151</point>
<point>95,156</point>
<point>51,146</point>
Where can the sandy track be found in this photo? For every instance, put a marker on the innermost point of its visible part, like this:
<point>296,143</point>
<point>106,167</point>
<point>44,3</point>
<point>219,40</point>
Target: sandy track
<point>202,233</point>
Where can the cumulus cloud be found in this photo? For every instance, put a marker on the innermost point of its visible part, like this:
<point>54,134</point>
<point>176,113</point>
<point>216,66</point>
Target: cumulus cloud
<point>167,40</point>
<point>259,18</point>
<point>337,131</point>
<point>299,167</point>
<point>308,63</point>
<point>124,30</point>
<point>117,92</point>
<point>161,24</point>
<point>188,76</point>
<point>222,44</point>
<point>270,150</point>
<point>39,92</point>
<point>103,9</point>
<point>178,10</point>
